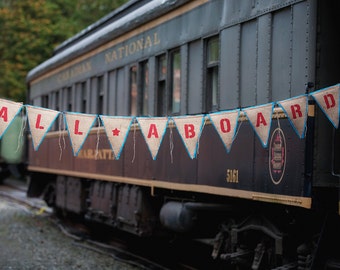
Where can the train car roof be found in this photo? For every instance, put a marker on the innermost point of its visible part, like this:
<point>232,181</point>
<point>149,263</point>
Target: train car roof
<point>121,20</point>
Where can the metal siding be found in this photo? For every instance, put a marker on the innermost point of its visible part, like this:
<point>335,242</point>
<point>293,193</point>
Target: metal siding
<point>195,78</point>
<point>263,60</point>
<point>122,92</point>
<point>248,64</point>
<point>112,93</point>
<point>94,95</point>
<point>152,87</point>
<point>229,73</point>
<point>300,59</point>
<point>281,54</point>
<point>184,78</point>
<point>106,93</point>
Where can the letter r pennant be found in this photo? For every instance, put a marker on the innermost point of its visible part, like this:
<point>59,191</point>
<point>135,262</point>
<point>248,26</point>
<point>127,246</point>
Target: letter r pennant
<point>296,111</point>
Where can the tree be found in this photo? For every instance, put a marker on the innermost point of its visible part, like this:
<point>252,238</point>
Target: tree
<point>30,30</point>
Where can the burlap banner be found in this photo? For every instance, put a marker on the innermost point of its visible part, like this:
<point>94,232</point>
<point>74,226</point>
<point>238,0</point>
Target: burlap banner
<point>225,124</point>
<point>190,129</point>
<point>40,121</point>
<point>78,126</point>
<point>8,110</point>
<point>153,130</point>
<point>117,129</point>
<point>260,118</point>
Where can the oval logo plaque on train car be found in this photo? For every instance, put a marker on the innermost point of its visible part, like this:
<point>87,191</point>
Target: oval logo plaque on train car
<point>277,156</point>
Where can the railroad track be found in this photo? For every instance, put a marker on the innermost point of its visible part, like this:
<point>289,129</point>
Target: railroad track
<point>141,253</point>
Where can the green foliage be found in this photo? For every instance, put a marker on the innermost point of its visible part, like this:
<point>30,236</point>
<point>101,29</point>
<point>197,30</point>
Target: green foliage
<point>30,30</point>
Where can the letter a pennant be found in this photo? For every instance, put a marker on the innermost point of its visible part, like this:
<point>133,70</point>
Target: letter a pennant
<point>225,124</point>
<point>190,129</point>
<point>328,101</point>
<point>117,129</point>
<point>153,130</point>
<point>8,110</point>
<point>78,126</point>
<point>40,121</point>
<point>260,118</point>
<point>296,111</point>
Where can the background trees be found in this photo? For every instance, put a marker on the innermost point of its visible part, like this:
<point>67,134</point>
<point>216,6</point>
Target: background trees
<point>30,30</point>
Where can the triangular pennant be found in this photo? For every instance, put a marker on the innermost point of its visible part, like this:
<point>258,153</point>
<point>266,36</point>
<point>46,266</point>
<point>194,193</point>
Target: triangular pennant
<point>153,130</point>
<point>225,124</point>
<point>328,101</point>
<point>79,126</point>
<point>190,129</point>
<point>8,110</point>
<point>296,111</point>
<point>40,121</point>
<point>260,118</point>
<point>117,129</point>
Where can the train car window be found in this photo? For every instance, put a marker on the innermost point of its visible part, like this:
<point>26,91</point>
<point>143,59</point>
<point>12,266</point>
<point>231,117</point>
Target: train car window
<point>212,73</point>
<point>68,99</point>
<point>45,101</point>
<point>133,90</point>
<point>161,86</point>
<point>175,95</point>
<point>144,79</point>
<point>100,101</point>
<point>83,97</point>
<point>56,106</point>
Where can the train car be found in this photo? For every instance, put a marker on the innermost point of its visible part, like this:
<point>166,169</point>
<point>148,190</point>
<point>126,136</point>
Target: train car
<point>171,78</point>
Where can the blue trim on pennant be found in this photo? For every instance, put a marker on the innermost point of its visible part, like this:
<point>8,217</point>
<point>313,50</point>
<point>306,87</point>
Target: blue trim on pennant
<point>163,134</point>
<point>291,122</point>
<point>264,144</point>
<point>223,112</point>
<point>74,113</point>
<point>199,135</point>
<point>126,135</point>
<point>336,125</point>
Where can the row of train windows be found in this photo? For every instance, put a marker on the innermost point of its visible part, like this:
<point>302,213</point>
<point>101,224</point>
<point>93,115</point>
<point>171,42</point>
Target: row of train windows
<point>168,93</point>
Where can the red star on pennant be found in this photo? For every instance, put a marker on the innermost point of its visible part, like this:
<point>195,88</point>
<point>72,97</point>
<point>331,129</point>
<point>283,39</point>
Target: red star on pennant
<point>115,132</point>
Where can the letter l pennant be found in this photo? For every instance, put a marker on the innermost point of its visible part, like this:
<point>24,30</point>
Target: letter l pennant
<point>40,121</point>
<point>78,126</point>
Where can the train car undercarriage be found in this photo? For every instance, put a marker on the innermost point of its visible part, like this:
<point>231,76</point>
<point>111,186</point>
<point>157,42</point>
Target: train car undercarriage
<point>242,234</point>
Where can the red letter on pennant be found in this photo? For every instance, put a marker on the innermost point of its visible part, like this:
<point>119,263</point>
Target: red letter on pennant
<point>296,111</point>
<point>329,100</point>
<point>260,120</point>
<point>3,113</point>
<point>189,131</point>
<point>76,128</point>
<point>225,125</point>
<point>37,123</point>
<point>153,131</point>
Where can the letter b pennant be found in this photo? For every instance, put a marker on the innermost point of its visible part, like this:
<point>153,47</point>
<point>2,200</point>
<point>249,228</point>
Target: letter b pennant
<point>190,129</point>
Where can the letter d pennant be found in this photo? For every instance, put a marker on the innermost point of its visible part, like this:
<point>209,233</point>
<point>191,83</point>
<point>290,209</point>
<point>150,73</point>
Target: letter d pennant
<point>78,126</point>
<point>328,101</point>
<point>153,130</point>
<point>190,129</point>
<point>40,121</point>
